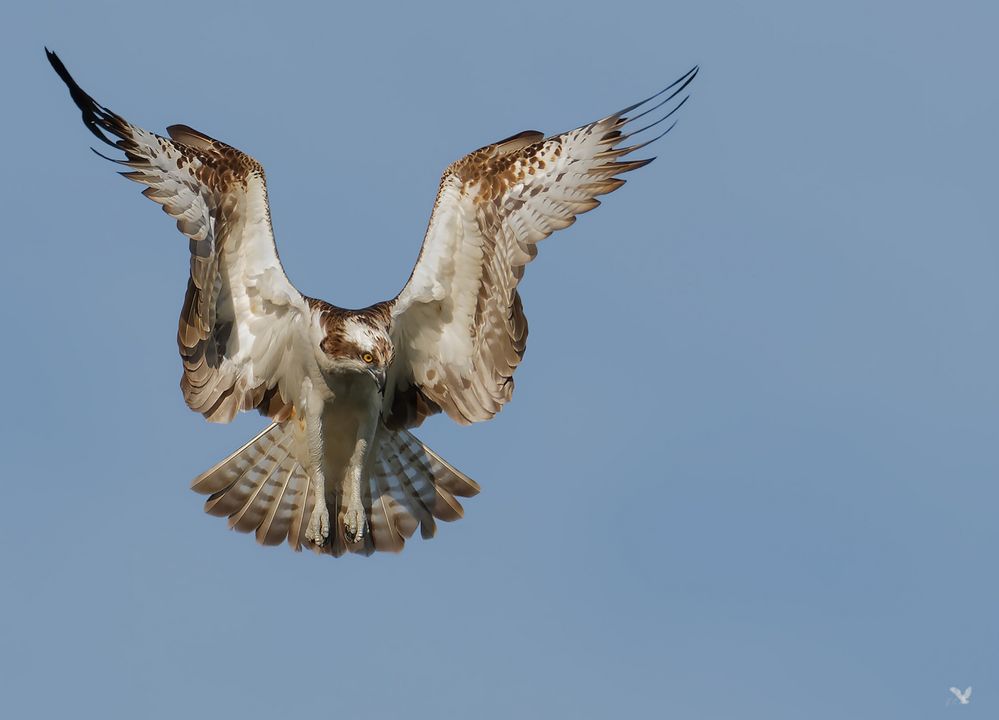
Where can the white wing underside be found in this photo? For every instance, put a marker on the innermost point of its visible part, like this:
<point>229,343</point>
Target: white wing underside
<point>243,331</point>
<point>459,327</point>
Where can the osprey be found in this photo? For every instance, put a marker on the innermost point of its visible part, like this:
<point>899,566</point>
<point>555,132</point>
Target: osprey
<point>344,387</point>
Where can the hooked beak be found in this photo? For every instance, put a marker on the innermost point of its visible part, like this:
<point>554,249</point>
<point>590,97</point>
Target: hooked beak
<point>378,375</point>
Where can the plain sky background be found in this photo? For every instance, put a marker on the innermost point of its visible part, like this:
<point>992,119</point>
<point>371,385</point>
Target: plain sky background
<point>750,469</point>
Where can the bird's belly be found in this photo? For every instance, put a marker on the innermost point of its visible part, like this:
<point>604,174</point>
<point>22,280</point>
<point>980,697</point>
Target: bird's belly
<point>350,416</point>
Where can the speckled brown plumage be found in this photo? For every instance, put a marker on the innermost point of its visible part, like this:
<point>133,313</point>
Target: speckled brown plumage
<point>336,344</point>
<point>343,386</point>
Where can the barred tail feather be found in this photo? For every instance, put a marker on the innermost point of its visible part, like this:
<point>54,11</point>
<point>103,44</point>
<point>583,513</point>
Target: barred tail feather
<point>410,486</point>
<point>262,488</point>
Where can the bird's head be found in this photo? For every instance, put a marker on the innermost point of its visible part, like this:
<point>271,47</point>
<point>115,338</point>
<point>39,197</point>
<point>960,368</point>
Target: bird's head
<point>356,344</point>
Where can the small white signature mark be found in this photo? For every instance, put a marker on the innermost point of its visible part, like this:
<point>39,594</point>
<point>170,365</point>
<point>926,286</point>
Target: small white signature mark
<point>962,697</point>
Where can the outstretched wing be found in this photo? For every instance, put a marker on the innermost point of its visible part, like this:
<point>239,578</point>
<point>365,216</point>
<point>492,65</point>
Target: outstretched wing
<point>243,327</point>
<point>458,325</point>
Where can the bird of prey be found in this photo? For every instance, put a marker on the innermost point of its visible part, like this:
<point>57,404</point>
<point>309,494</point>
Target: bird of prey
<point>338,470</point>
<point>962,697</point>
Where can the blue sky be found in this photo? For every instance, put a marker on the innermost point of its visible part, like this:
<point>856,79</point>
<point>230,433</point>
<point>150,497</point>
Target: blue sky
<point>750,467</point>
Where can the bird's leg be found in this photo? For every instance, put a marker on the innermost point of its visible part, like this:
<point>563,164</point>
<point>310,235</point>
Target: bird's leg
<point>319,524</point>
<point>354,524</point>
<point>354,518</point>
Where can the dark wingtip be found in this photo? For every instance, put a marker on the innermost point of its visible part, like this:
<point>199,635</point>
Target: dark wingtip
<point>94,116</point>
<point>683,81</point>
<point>62,72</point>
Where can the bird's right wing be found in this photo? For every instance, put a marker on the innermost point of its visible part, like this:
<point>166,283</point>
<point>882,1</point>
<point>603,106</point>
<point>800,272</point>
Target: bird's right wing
<point>243,333</point>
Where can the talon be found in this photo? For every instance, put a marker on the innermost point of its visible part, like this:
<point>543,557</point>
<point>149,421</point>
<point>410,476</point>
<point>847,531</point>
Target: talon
<point>319,526</point>
<point>353,525</point>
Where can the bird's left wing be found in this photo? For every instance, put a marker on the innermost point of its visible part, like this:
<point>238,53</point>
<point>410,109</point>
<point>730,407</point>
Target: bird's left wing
<point>243,333</point>
<point>458,325</point>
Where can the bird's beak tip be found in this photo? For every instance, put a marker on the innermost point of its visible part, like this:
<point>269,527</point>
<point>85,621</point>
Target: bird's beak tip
<point>379,377</point>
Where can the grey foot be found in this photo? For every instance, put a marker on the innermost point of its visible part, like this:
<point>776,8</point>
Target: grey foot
<point>354,524</point>
<point>319,525</point>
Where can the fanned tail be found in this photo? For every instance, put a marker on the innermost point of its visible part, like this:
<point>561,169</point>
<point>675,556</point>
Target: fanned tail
<point>262,488</point>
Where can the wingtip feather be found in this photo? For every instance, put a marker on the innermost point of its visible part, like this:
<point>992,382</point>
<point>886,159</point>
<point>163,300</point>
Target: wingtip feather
<point>95,116</point>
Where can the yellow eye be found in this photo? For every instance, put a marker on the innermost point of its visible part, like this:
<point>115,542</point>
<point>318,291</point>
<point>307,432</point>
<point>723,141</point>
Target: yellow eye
<point>368,357</point>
